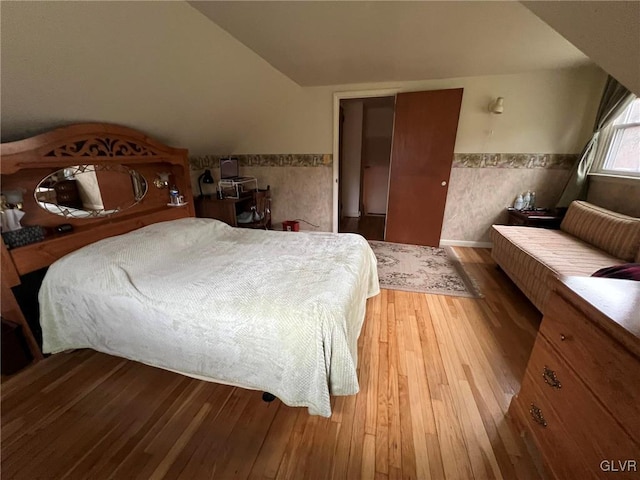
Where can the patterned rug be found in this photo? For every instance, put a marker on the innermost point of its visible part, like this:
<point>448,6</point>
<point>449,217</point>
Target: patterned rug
<point>414,268</point>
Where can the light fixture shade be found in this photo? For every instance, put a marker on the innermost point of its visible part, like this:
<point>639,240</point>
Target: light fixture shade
<point>14,196</point>
<point>162,180</point>
<point>206,178</point>
<point>497,106</point>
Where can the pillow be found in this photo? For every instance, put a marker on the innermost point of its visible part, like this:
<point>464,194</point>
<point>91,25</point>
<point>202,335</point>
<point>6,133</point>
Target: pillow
<point>615,233</point>
<point>626,271</point>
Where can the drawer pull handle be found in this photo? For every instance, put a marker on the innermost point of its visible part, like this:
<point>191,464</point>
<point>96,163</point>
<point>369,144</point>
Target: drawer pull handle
<point>562,337</point>
<point>550,378</point>
<point>537,416</point>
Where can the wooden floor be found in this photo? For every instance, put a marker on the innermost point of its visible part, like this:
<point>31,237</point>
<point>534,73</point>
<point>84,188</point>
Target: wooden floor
<point>370,227</point>
<point>436,375</point>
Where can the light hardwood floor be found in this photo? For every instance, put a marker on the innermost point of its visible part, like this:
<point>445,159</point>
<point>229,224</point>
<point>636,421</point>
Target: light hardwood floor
<point>436,375</point>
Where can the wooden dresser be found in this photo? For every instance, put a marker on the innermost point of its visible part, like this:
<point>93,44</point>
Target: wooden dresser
<point>67,194</point>
<point>579,403</point>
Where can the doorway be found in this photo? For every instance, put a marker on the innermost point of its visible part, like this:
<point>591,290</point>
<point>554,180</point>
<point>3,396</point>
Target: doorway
<point>365,137</point>
<point>422,145</point>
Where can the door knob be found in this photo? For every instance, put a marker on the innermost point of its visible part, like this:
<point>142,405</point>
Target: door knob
<point>444,184</point>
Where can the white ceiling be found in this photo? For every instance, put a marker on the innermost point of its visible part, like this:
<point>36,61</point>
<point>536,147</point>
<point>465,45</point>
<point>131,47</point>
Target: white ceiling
<point>609,32</point>
<point>329,43</point>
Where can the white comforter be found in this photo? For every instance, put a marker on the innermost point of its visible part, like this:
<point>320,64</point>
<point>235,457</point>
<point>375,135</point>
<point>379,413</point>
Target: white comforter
<point>274,311</point>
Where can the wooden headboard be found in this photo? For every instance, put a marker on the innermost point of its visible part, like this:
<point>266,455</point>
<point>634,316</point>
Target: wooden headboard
<point>24,163</point>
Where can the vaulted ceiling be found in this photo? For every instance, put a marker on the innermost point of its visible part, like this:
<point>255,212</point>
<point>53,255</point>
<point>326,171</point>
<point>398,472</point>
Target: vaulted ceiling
<point>329,43</point>
<point>607,31</point>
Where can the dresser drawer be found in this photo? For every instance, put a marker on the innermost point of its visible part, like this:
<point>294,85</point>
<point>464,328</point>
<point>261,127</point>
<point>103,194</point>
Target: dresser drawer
<point>584,417</point>
<point>561,453</point>
<point>67,194</point>
<point>605,367</point>
<point>517,219</point>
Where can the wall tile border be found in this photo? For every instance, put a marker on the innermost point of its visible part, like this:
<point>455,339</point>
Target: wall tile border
<point>266,160</point>
<point>555,161</point>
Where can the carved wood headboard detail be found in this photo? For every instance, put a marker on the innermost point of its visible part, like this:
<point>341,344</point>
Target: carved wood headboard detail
<point>103,147</point>
<point>24,163</point>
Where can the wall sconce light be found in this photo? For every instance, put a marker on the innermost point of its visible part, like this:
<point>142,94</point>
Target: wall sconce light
<point>497,106</point>
<point>205,178</point>
<point>162,180</point>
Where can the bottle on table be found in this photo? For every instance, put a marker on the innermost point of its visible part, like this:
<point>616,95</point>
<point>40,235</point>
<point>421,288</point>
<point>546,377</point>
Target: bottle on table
<point>518,204</point>
<point>174,195</point>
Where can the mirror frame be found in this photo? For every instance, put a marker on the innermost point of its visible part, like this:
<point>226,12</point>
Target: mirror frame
<point>139,183</point>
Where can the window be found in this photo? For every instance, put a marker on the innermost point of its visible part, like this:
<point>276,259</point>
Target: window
<point>620,145</point>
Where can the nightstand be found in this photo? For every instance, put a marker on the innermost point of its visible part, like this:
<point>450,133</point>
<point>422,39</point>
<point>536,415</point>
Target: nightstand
<point>225,209</point>
<point>228,209</point>
<point>541,218</point>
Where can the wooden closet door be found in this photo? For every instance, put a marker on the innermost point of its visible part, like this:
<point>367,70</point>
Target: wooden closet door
<point>424,135</point>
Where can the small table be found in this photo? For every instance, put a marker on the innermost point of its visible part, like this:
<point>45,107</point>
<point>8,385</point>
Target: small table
<point>225,209</point>
<point>542,218</point>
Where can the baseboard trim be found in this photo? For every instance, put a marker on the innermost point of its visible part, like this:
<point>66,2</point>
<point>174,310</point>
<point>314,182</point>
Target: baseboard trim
<point>465,243</point>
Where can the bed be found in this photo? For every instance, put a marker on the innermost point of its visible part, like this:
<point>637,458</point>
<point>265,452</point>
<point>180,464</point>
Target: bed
<point>274,311</point>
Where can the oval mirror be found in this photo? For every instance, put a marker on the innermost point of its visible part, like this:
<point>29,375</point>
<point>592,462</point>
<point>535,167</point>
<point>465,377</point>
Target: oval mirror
<point>90,191</point>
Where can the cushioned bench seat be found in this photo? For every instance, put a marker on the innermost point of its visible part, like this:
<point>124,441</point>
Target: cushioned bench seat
<point>590,238</point>
<point>532,257</point>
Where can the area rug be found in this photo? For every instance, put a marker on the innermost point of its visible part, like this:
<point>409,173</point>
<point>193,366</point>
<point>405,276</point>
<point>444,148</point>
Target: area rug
<point>414,268</point>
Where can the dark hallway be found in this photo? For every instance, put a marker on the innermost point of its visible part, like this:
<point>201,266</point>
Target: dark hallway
<point>370,227</point>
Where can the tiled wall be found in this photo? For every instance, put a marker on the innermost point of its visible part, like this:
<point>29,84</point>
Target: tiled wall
<point>480,188</point>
